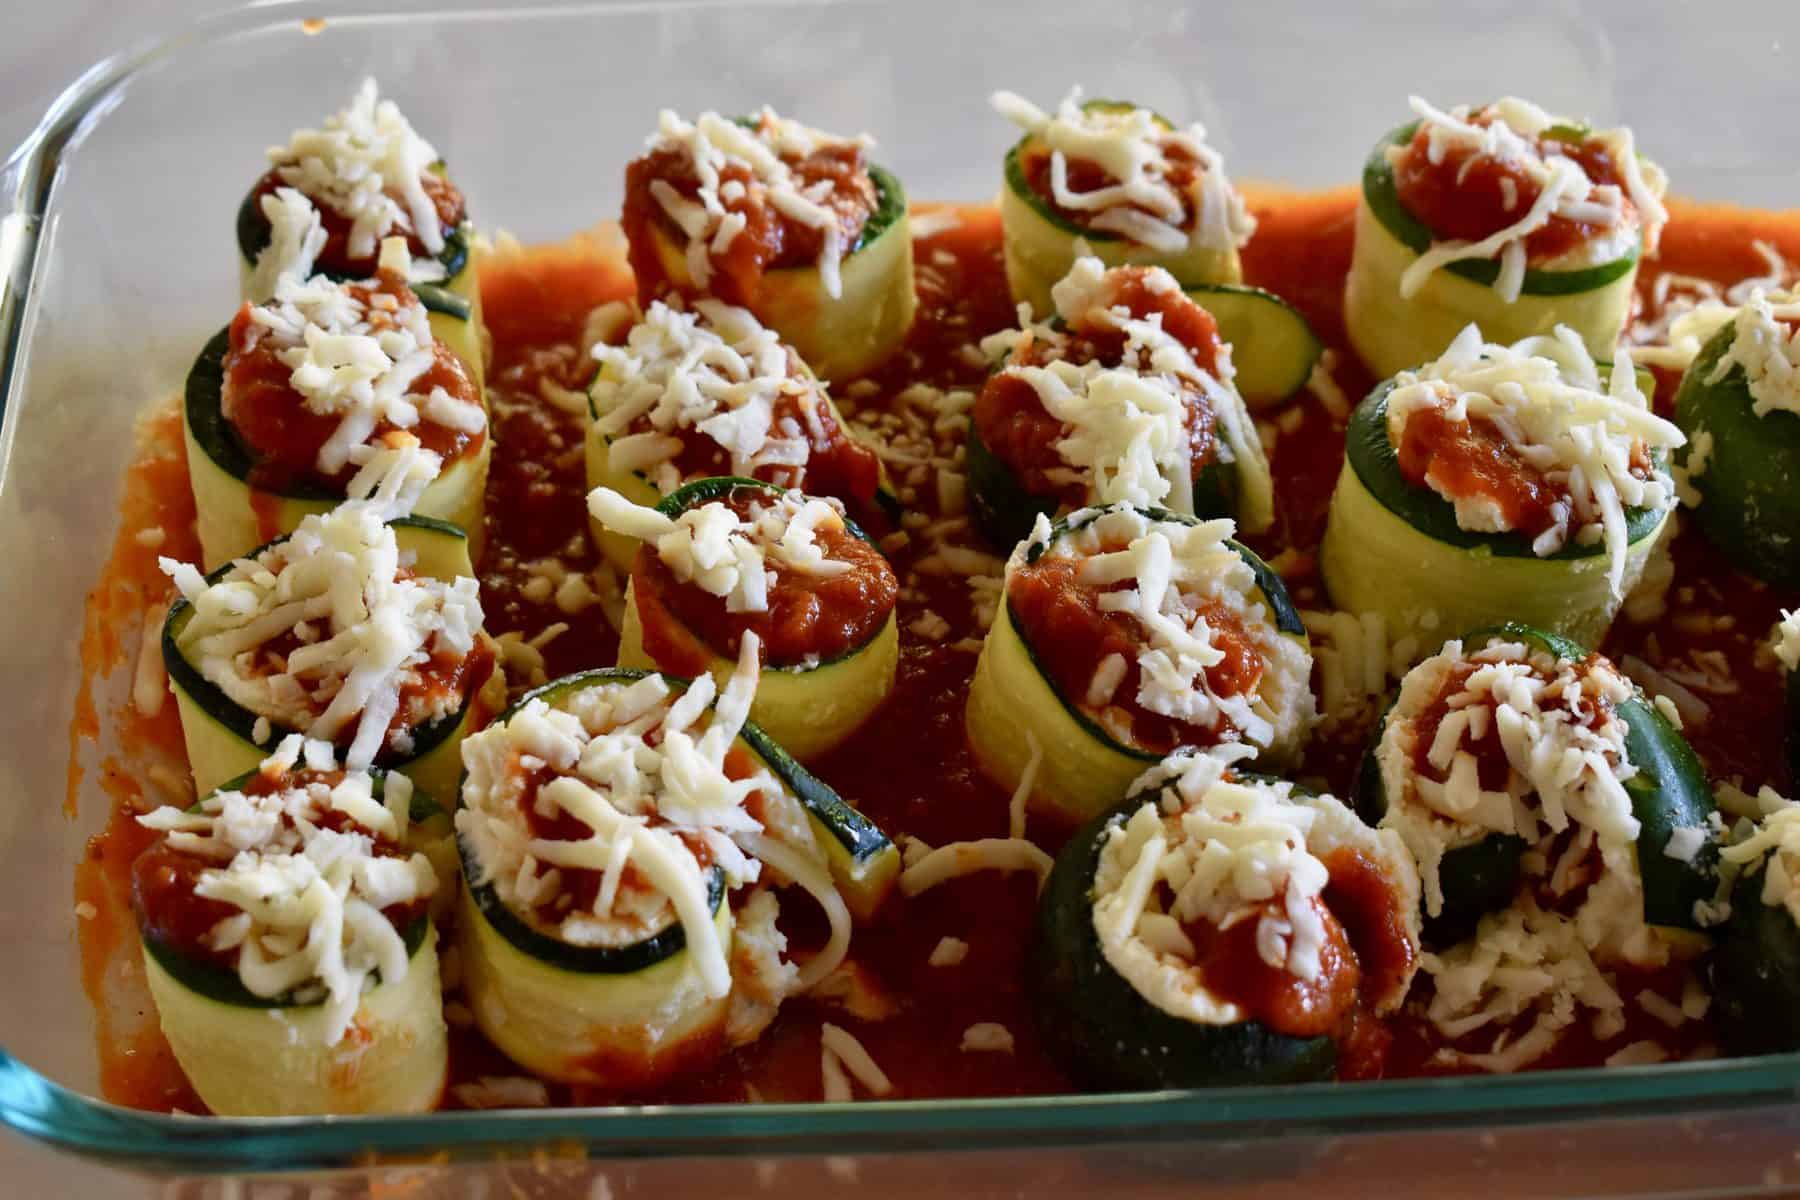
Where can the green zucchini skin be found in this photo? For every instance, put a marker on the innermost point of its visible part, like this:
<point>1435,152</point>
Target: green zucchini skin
<point>1476,879</point>
<point>1105,1034</point>
<point>1750,501</point>
<point>1005,511</point>
<point>1397,549</point>
<point>1669,791</point>
<point>1755,973</point>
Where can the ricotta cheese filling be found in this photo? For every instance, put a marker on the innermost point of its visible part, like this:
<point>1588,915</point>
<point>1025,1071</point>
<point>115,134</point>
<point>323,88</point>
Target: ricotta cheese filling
<point>310,897</point>
<point>1127,422</point>
<point>724,554</point>
<point>1507,131</point>
<point>1209,848</point>
<point>647,773</point>
<point>1553,724</point>
<point>1171,572</point>
<point>1139,201</point>
<point>368,164</point>
<point>326,631</point>
<point>1588,441</point>
<point>712,370</point>
<point>1766,347</point>
<point>358,351</point>
<point>712,219</point>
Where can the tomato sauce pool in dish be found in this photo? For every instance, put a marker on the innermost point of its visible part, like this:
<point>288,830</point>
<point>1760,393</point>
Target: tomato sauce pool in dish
<point>910,770</point>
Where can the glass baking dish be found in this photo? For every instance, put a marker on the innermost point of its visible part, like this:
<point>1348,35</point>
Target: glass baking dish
<point>117,261</point>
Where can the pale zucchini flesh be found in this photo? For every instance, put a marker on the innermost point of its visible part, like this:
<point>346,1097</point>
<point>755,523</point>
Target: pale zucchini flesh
<point>1391,334</point>
<point>1273,348</point>
<point>626,1029</point>
<point>1374,561</point>
<point>273,1061</point>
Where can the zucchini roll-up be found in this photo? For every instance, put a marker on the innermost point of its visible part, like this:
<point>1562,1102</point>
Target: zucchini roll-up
<point>1124,634</point>
<point>710,391</point>
<point>288,940</point>
<point>1499,483</point>
<point>353,632</point>
<point>1739,404</point>
<point>791,223</point>
<point>725,557</point>
<point>1756,968</point>
<point>328,391</point>
<point>332,195</point>
<point>1120,181</point>
<point>1502,216</point>
<point>1519,761</point>
<point>1127,396</point>
<point>1222,928</point>
<point>620,830</point>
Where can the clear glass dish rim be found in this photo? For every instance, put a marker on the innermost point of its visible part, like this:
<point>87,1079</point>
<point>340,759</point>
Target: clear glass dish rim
<point>40,1108</point>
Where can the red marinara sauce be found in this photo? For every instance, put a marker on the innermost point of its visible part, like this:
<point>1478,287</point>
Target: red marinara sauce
<point>1472,459</point>
<point>163,880</point>
<point>1011,419</point>
<point>809,617</point>
<point>1060,618</point>
<point>1180,170</point>
<point>335,258</point>
<point>1464,195</point>
<point>770,239</point>
<point>285,436</point>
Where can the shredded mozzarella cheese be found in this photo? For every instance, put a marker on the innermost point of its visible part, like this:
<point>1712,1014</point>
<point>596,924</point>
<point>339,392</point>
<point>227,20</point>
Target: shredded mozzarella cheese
<point>1766,346</point>
<point>362,632</point>
<point>368,164</point>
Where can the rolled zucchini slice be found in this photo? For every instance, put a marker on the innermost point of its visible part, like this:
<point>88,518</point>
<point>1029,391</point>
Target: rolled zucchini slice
<point>1755,968</point>
<point>249,1057</point>
<point>807,709</point>
<point>1396,549</point>
<point>220,733</point>
<point>852,334</point>
<point>1273,350</point>
<point>1482,872</point>
<point>1749,504</point>
<point>234,517</point>
<point>1016,713</point>
<point>1165,1025</point>
<point>1040,244</point>
<point>628,1015</point>
<point>454,303</point>
<point>1391,334</point>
